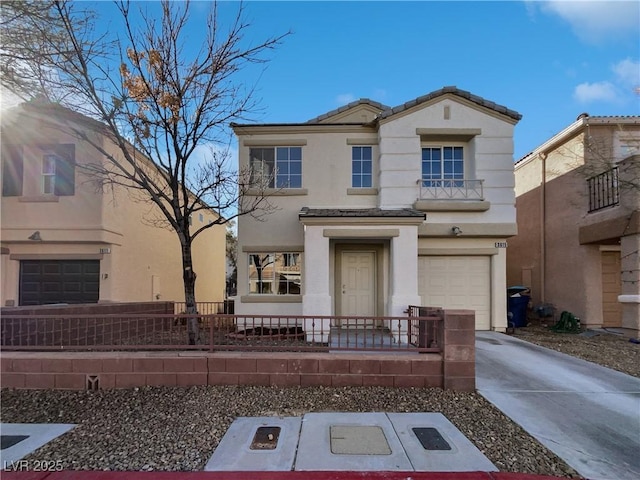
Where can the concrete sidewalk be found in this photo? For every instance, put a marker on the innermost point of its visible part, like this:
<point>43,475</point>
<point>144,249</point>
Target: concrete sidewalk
<point>586,414</point>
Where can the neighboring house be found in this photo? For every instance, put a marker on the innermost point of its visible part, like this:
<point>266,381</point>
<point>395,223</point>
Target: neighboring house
<point>578,201</point>
<point>64,240</point>
<point>380,208</point>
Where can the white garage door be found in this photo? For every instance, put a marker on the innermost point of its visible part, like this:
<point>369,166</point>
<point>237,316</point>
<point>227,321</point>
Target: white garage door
<point>457,282</point>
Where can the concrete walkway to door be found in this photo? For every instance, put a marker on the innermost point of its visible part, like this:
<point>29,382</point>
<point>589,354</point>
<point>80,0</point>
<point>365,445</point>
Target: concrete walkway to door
<point>586,414</point>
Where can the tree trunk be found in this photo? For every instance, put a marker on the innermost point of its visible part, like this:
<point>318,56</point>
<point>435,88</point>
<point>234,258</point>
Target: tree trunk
<point>189,280</point>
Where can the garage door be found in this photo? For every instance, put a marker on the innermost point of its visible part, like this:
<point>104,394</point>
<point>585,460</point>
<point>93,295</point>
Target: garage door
<point>59,281</point>
<point>457,282</point>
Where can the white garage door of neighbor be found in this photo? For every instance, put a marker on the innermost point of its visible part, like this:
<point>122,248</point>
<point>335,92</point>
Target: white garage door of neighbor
<point>457,282</point>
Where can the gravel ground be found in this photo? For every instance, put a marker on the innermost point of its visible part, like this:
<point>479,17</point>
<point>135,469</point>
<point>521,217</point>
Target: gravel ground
<point>178,428</point>
<point>606,349</point>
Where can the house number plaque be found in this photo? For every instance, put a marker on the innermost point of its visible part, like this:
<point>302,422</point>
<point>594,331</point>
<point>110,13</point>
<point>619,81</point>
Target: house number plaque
<point>501,244</point>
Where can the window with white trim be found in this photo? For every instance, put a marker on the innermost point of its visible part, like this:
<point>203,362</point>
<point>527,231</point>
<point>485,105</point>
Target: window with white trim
<point>442,166</point>
<point>275,273</point>
<point>49,173</point>
<point>276,167</point>
<point>361,167</point>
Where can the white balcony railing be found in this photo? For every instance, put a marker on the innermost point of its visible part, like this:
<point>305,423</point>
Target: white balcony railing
<point>451,189</point>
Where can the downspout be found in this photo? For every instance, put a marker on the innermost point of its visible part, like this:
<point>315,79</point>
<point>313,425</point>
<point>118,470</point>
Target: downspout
<point>543,226</point>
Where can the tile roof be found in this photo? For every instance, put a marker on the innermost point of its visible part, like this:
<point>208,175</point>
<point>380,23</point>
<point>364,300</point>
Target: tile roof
<point>307,212</point>
<point>454,91</point>
<point>344,108</point>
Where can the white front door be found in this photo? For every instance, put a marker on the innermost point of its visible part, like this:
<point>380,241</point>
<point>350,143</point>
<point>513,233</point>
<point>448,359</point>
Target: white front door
<point>358,287</point>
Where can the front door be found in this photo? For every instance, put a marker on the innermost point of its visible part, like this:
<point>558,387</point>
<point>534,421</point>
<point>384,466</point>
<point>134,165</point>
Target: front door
<point>611,288</point>
<point>358,287</point>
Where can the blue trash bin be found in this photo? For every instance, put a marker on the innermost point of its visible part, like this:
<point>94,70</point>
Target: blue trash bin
<point>517,303</point>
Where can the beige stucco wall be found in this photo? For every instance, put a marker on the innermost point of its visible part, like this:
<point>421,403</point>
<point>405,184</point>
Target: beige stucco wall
<point>396,148</point>
<point>143,262</point>
<point>489,156</point>
<point>326,162</point>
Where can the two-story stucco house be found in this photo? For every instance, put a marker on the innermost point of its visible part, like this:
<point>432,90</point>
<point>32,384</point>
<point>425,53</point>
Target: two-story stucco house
<point>66,240</point>
<point>578,201</point>
<point>380,208</point>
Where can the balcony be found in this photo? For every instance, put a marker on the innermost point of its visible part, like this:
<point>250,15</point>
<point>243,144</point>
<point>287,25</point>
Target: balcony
<point>604,190</point>
<point>451,195</point>
<point>614,196</point>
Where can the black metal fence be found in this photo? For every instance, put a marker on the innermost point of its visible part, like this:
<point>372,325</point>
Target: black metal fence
<point>222,331</point>
<point>603,190</point>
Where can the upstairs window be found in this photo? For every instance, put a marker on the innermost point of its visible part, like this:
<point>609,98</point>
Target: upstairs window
<point>276,167</point>
<point>442,166</point>
<point>44,170</point>
<point>49,174</point>
<point>361,167</point>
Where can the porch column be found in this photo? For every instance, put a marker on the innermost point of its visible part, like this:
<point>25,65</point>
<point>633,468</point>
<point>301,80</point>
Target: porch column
<point>630,298</point>
<point>316,300</point>
<point>404,278</point>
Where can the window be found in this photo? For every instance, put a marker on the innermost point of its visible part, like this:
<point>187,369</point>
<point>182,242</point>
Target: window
<point>279,167</point>
<point>361,167</point>
<point>49,174</point>
<point>442,166</point>
<point>273,273</point>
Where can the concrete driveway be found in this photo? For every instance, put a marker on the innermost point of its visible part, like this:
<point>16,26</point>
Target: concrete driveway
<point>586,414</point>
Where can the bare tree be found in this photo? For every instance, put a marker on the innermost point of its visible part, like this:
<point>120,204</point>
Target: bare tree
<point>168,105</point>
<point>232,259</point>
<point>32,32</point>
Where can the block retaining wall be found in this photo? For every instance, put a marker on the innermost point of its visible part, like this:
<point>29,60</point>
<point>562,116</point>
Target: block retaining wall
<point>453,369</point>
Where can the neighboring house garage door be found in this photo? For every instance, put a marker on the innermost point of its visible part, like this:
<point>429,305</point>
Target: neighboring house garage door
<point>59,281</point>
<point>457,282</point>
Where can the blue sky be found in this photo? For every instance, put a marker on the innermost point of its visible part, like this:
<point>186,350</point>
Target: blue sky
<point>548,60</point>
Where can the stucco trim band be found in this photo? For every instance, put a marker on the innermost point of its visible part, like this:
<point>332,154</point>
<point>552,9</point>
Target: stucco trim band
<point>452,205</point>
<point>285,142</point>
<point>357,233</point>
<point>40,199</point>
<point>294,129</point>
<point>277,192</point>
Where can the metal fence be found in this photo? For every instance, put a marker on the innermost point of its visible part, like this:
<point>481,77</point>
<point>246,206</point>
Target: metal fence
<point>426,326</point>
<point>603,190</point>
<point>222,332</point>
<point>451,189</point>
<point>205,308</point>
